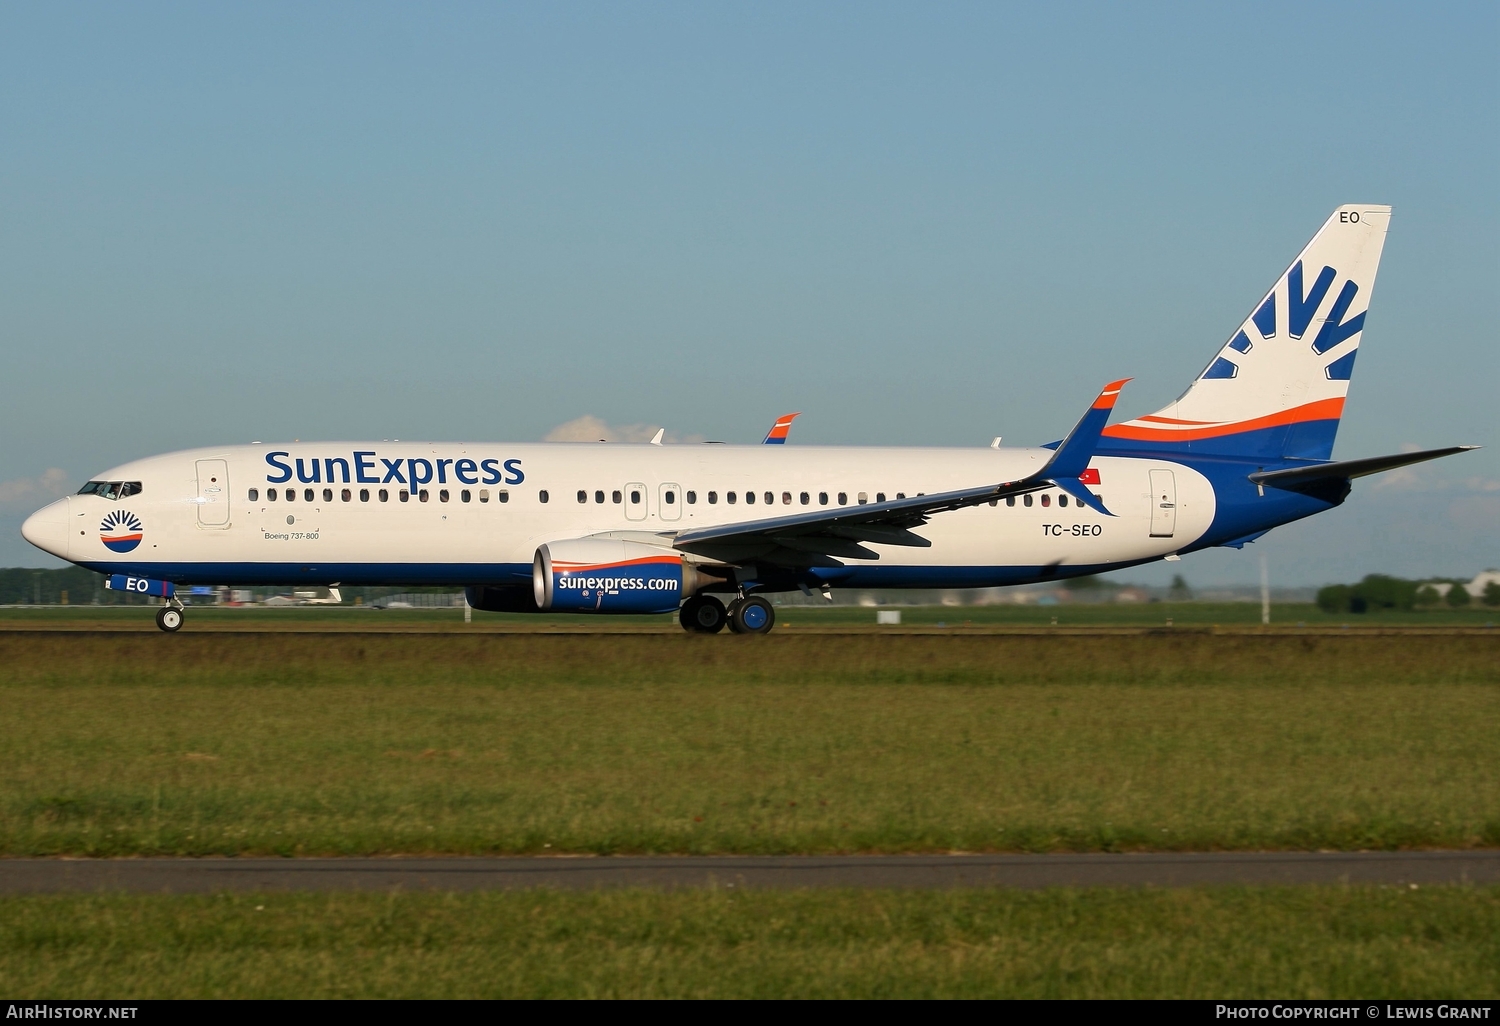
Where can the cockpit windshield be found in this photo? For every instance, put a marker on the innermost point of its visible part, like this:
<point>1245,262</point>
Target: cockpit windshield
<point>111,489</point>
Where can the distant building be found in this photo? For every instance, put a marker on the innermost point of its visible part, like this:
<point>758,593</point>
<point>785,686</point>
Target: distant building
<point>1475,588</point>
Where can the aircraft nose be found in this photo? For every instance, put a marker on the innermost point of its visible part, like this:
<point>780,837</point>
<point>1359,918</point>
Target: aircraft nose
<point>47,528</point>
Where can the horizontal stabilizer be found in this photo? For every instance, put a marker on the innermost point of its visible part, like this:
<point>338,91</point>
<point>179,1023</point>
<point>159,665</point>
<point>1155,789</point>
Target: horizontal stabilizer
<point>1346,470</point>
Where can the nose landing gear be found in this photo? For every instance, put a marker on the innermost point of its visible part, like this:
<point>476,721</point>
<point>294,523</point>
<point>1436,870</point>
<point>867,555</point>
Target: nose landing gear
<point>169,618</point>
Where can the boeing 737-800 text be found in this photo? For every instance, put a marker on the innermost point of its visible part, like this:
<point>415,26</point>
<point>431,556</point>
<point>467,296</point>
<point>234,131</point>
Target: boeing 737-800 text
<point>708,530</point>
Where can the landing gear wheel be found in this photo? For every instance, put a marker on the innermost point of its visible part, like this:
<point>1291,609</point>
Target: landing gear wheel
<point>753,615</point>
<point>702,614</point>
<point>169,618</point>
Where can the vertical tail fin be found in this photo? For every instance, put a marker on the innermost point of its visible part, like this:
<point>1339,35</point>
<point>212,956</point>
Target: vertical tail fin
<point>1276,389</point>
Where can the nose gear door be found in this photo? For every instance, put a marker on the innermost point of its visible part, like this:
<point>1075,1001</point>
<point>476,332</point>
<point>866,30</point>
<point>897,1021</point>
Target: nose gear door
<point>213,493</point>
<point>1163,503</point>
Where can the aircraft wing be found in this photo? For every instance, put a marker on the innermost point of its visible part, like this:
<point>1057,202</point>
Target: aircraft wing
<point>822,537</point>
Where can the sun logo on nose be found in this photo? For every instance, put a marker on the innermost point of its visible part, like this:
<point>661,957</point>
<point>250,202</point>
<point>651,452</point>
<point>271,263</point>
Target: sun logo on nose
<point>120,531</point>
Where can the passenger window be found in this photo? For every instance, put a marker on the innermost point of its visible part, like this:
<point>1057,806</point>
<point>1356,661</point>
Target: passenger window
<point>405,495</point>
<point>583,496</point>
<point>327,494</point>
<point>692,497</point>
<point>822,498</point>
<point>502,496</point>
<point>994,502</point>
<point>346,495</point>
<point>635,498</point>
<point>442,495</point>
<point>805,498</point>
<point>1062,500</point>
<point>750,498</point>
<point>900,495</point>
<point>384,495</point>
<point>422,495</point>
<point>1010,500</point>
<point>615,496</point>
<point>484,495</point>
<point>1046,500</point>
<point>786,498</point>
<point>364,495</point>
<point>270,495</point>
<point>770,498</point>
<point>542,495</point>
<point>864,497</point>
<point>843,498</point>
<point>880,496</point>
<point>307,495</point>
<point>291,495</point>
<point>255,495</point>
<point>729,498</point>
<point>464,495</point>
<point>670,498</point>
<point>599,497</point>
<point>1026,499</point>
<point>713,498</point>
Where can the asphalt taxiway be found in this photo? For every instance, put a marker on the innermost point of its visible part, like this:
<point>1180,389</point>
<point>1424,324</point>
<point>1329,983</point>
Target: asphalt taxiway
<point>1022,871</point>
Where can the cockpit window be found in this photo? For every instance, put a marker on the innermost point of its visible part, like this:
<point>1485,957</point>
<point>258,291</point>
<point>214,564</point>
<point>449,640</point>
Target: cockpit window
<point>111,489</point>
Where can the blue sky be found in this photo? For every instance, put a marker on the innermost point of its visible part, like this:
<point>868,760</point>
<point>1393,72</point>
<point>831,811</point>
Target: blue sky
<point>926,223</point>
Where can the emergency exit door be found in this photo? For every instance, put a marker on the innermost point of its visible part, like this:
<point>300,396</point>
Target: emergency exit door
<point>1163,503</point>
<point>635,501</point>
<point>213,493</point>
<point>669,502</point>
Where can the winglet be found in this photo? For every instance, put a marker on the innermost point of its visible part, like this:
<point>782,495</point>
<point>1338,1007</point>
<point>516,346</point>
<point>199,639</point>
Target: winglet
<point>780,429</point>
<point>656,438</point>
<point>1073,454</point>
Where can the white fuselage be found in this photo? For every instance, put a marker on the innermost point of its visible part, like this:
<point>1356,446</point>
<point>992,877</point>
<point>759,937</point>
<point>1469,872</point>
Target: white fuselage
<point>205,515</point>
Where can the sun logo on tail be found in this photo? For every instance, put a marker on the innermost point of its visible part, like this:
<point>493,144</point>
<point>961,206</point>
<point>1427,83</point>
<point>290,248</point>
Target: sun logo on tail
<point>120,531</point>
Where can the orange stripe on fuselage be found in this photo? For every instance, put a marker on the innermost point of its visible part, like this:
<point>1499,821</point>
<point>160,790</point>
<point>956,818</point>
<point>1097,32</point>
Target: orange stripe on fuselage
<point>561,567</point>
<point>1323,409</point>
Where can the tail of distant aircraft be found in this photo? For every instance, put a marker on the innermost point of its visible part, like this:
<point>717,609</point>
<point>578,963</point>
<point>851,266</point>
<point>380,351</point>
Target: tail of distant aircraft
<point>780,429</point>
<point>1276,389</point>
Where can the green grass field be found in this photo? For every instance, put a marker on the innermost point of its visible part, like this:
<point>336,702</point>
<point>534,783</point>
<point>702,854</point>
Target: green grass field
<point>124,744</point>
<point>1284,616</point>
<point>1315,942</point>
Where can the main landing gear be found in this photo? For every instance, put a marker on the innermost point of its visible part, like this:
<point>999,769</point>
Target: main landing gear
<point>169,618</point>
<point>702,614</point>
<point>705,614</point>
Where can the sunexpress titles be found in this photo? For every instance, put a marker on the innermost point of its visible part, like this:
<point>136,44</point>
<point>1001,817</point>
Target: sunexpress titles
<point>369,467</point>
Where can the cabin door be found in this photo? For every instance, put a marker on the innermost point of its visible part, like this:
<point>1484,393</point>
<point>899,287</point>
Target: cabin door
<point>1163,503</point>
<point>213,493</point>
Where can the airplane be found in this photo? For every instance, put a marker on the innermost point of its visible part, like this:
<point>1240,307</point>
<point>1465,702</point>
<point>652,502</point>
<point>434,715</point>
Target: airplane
<point>709,531</point>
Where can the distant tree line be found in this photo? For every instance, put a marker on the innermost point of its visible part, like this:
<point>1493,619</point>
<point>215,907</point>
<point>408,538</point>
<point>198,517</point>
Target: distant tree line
<point>24,586</point>
<point>75,586</point>
<point>1381,591</point>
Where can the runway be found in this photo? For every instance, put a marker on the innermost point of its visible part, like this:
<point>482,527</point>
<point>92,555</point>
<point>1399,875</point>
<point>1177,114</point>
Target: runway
<point>1026,872</point>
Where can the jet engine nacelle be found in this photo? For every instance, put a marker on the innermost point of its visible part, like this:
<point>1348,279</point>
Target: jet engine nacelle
<point>603,575</point>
